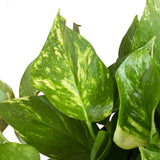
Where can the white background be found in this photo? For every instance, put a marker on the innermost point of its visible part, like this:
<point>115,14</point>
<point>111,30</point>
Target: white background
<point>25,24</point>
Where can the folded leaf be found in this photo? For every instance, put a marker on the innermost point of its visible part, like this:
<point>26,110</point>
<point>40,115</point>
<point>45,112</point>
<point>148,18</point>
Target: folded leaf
<point>148,154</point>
<point>100,143</point>
<point>72,76</point>
<point>148,27</point>
<point>15,151</point>
<point>5,94</point>
<point>138,83</point>
<point>26,88</point>
<point>51,132</point>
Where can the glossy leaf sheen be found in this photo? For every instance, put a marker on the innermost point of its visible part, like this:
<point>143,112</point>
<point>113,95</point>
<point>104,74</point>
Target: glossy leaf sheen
<point>51,132</point>
<point>72,76</point>
<point>15,151</point>
<point>148,27</point>
<point>139,89</point>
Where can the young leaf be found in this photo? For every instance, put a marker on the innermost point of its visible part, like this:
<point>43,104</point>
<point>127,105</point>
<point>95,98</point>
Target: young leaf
<point>100,143</point>
<point>139,89</point>
<point>5,91</point>
<point>72,76</point>
<point>126,43</point>
<point>51,132</point>
<point>148,27</point>
<point>15,151</point>
<point>5,94</point>
<point>26,88</point>
<point>148,154</point>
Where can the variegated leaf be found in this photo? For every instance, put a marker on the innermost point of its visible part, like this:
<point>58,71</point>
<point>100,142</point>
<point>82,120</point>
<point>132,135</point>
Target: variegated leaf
<point>139,89</point>
<point>50,131</point>
<point>72,76</point>
<point>147,154</point>
<point>148,27</point>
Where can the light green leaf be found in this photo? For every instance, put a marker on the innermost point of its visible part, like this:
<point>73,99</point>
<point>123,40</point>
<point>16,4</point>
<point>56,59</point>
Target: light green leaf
<point>72,76</point>
<point>148,154</point>
<point>15,151</point>
<point>26,88</point>
<point>51,132</point>
<point>126,43</point>
<point>139,89</point>
<point>5,94</point>
<point>148,27</point>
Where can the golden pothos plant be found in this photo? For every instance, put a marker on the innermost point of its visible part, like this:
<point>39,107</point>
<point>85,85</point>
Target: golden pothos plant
<point>80,92</point>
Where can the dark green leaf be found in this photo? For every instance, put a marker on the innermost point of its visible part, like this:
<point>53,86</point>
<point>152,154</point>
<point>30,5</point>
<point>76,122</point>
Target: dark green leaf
<point>26,88</point>
<point>149,27</point>
<point>15,151</point>
<point>51,132</point>
<point>99,145</point>
<point>5,94</point>
<point>72,76</point>
<point>126,43</point>
<point>139,89</point>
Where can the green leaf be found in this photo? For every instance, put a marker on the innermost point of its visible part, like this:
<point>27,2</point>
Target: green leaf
<point>126,43</point>
<point>50,131</point>
<point>5,91</point>
<point>148,27</point>
<point>15,151</point>
<point>100,143</point>
<point>148,154</point>
<point>72,76</point>
<point>5,94</point>
<point>26,88</point>
<point>138,83</point>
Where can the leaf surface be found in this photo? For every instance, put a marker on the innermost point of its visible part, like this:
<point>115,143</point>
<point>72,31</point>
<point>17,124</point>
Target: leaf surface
<point>15,151</point>
<point>149,154</point>
<point>139,89</point>
<point>72,76</point>
<point>50,131</point>
<point>5,94</point>
<point>26,88</point>
<point>149,27</point>
<point>126,42</point>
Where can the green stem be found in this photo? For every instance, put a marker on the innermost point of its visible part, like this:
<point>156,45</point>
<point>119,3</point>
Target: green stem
<point>89,124</point>
<point>2,138</point>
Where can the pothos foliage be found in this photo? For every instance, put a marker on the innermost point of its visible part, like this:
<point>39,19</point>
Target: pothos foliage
<point>80,92</point>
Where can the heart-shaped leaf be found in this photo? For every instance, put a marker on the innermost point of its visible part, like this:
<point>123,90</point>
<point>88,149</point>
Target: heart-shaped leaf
<point>138,83</point>
<point>72,76</point>
<point>50,131</point>
<point>15,151</point>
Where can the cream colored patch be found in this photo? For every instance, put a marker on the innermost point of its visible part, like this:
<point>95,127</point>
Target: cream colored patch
<point>127,141</point>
